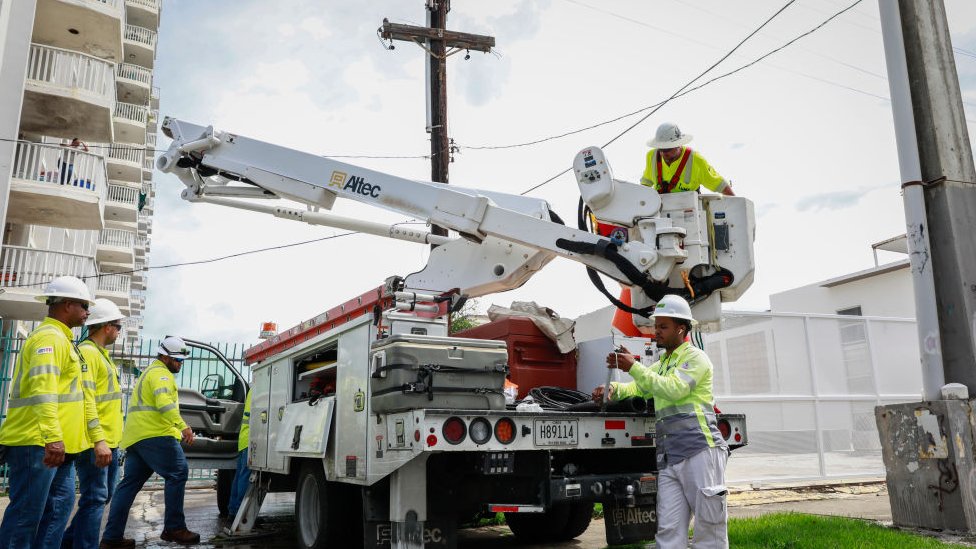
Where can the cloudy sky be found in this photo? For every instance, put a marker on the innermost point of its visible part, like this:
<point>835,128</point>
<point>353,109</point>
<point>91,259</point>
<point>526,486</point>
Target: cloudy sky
<point>806,133</point>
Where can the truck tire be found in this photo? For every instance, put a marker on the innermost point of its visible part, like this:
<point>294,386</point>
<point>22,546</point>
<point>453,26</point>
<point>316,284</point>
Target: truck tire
<point>539,527</point>
<point>225,482</point>
<point>580,515</point>
<point>314,508</point>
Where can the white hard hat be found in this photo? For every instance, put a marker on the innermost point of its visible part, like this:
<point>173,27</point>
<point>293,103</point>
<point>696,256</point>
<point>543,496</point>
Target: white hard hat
<point>669,136</point>
<point>673,306</point>
<point>174,347</point>
<point>68,287</point>
<point>103,311</point>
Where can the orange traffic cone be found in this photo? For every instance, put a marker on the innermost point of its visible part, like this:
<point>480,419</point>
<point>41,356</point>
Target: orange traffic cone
<point>623,321</point>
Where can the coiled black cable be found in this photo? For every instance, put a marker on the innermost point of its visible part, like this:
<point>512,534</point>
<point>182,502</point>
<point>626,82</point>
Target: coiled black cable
<point>557,398</point>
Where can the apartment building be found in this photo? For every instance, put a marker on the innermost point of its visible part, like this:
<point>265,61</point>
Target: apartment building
<point>78,122</point>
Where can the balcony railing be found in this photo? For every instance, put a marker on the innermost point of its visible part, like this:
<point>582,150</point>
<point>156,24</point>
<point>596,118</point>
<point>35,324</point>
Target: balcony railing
<point>65,166</point>
<point>151,140</point>
<point>126,153</point>
<point>148,4</point>
<point>128,111</point>
<point>71,69</point>
<point>30,268</point>
<point>140,35</point>
<point>116,237</point>
<point>147,164</point>
<point>117,283</point>
<point>134,72</point>
<point>153,117</point>
<point>154,93</point>
<point>121,194</point>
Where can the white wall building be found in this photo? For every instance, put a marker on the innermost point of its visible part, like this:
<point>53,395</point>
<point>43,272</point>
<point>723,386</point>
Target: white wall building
<point>76,69</point>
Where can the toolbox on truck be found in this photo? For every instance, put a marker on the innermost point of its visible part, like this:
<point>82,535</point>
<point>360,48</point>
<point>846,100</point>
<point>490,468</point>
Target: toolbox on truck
<point>418,371</point>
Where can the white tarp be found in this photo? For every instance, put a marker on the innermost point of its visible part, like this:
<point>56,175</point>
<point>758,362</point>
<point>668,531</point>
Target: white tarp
<point>555,327</point>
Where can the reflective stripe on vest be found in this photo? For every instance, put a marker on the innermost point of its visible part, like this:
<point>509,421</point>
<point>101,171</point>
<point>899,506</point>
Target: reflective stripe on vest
<point>137,405</point>
<point>73,394</point>
<point>679,174</point>
<point>112,389</point>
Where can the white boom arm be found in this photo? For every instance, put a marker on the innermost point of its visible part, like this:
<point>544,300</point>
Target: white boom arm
<point>505,238</point>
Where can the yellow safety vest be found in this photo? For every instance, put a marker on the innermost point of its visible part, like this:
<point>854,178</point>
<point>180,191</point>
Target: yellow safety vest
<point>154,408</point>
<point>244,438</point>
<point>696,172</point>
<point>681,385</point>
<point>107,392</point>
<point>47,402</point>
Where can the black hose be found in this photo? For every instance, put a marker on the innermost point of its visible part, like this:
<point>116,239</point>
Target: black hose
<point>632,405</point>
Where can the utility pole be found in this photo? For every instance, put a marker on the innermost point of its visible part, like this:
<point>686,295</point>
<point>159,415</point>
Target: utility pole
<point>439,43</point>
<point>928,446</point>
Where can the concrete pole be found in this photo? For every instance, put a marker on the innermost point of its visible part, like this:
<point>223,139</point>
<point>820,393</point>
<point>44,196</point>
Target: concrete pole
<point>946,168</point>
<point>919,250</point>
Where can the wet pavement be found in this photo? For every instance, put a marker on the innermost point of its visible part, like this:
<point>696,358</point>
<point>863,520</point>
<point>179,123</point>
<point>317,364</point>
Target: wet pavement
<point>865,499</point>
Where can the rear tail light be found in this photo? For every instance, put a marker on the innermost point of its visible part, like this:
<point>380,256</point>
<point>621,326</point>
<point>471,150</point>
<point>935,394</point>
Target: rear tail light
<point>480,430</point>
<point>505,430</point>
<point>725,428</point>
<point>454,430</point>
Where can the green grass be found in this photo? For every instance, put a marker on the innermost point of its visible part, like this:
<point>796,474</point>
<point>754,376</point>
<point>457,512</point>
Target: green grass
<point>793,530</point>
<point>797,531</point>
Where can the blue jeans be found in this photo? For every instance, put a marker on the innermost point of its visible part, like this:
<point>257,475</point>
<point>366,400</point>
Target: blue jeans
<point>57,510</point>
<point>160,455</point>
<point>30,484</point>
<point>239,487</point>
<point>95,485</point>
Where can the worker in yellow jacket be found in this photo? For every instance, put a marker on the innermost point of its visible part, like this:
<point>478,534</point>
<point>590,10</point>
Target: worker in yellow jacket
<point>151,437</point>
<point>672,167</point>
<point>243,474</point>
<point>97,484</point>
<point>691,452</point>
<point>50,421</point>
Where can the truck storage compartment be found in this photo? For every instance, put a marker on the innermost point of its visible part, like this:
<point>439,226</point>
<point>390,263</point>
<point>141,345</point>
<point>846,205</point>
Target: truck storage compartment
<point>534,360</point>
<point>415,371</point>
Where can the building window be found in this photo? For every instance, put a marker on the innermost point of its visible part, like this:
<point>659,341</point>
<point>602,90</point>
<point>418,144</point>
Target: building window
<point>851,311</point>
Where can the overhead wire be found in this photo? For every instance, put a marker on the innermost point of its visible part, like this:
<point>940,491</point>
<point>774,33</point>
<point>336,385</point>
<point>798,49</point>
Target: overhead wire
<point>682,90</point>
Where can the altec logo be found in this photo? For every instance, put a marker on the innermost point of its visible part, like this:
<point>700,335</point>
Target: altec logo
<point>354,184</point>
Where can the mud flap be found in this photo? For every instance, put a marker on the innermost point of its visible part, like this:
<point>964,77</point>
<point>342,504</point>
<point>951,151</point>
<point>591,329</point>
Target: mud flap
<point>625,525</point>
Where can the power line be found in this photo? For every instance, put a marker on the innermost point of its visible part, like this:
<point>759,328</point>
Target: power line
<point>210,260</point>
<point>643,109</point>
<point>155,151</point>
<point>681,91</point>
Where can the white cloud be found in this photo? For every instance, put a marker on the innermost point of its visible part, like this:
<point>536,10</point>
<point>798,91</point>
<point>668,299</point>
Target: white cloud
<point>790,133</point>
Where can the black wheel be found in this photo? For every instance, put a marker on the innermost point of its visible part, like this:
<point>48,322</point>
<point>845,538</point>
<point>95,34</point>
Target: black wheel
<point>580,515</point>
<point>225,481</point>
<point>314,509</point>
<point>539,527</point>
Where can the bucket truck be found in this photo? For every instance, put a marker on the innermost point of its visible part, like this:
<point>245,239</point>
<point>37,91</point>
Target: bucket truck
<point>389,430</point>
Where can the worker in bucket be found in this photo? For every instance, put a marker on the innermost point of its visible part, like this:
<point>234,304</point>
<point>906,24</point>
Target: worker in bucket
<point>96,484</point>
<point>691,453</point>
<point>151,438</point>
<point>51,421</point>
<point>673,168</point>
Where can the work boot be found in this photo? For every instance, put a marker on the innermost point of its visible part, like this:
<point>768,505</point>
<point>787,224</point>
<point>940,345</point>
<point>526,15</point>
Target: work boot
<point>182,535</point>
<point>124,543</point>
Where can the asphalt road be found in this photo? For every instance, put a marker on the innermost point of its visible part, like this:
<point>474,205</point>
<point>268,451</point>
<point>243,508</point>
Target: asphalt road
<point>864,500</point>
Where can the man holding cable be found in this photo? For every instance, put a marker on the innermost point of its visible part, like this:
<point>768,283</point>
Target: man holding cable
<point>691,453</point>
